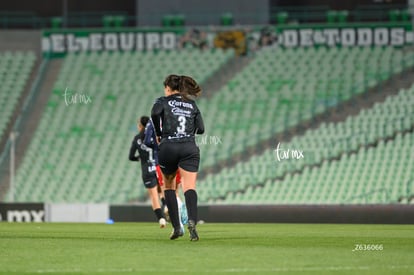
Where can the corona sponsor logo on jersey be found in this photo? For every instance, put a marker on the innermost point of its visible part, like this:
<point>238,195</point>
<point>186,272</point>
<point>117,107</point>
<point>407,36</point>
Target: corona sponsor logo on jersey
<point>174,103</point>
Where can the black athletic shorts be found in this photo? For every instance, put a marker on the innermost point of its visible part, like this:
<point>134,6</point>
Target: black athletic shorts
<point>150,180</point>
<point>172,155</point>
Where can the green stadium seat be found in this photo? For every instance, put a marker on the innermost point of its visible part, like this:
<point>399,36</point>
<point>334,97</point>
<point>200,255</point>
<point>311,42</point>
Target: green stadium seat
<point>226,19</point>
<point>179,20</point>
<point>107,21</point>
<point>394,15</point>
<point>119,21</point>
<point>331,16</point>
<point>56,22</point>
<point>282,18</point>
<point>167,20</point>
<point>343,16</point>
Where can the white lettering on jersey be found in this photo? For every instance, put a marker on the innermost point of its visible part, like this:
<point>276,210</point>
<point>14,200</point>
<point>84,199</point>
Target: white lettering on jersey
<point>174,103</point>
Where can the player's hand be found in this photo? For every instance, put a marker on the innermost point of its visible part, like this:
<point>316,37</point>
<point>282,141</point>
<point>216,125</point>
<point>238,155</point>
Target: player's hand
<point>158,140</point>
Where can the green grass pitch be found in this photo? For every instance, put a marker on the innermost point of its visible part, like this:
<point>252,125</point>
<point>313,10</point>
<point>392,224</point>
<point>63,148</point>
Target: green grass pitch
<point>143,248</point>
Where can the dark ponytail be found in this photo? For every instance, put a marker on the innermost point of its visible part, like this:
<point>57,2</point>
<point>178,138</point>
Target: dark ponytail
<point>189,88</point>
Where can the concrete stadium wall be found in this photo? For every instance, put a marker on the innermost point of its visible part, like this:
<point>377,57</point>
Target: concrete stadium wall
<point>77,212</point>
<point>21,40</point>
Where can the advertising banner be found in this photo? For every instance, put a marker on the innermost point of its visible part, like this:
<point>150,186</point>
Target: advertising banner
<point>242,39</point>
<point>22,212</point>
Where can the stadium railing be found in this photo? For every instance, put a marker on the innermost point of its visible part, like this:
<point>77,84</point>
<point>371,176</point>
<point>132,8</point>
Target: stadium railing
<point>16,128</point>
<point>280,15</point>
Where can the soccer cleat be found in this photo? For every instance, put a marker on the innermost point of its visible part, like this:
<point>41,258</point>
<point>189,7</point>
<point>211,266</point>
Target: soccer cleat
<point>176,234</point>
<point>162,222</point>
<point>193,232</point>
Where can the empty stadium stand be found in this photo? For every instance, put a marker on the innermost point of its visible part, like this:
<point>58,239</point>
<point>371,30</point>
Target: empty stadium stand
<point>15,69</point>
<point>283,87</point>
<point>79,151</point>
<point>365,159</point>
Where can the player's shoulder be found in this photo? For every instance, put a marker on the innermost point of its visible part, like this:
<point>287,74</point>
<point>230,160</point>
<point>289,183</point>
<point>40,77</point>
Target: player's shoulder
<point>193,102</point>
<point>148,126</point>
<point>136,137</point>
<point>149,129</point>
<point>140,135</point>
<point>160,100</point>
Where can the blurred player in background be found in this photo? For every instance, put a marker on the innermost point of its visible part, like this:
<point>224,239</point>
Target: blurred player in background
<point>181,120</point>
<point>150,140</point>
<point>149,177</point>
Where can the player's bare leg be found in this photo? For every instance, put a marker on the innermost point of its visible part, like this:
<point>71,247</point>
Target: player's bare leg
<point>160,188</point>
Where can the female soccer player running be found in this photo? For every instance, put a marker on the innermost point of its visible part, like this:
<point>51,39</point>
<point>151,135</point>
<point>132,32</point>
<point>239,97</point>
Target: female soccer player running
<point>181,120</point>
<point>149,176</point>
<point>150,140</point>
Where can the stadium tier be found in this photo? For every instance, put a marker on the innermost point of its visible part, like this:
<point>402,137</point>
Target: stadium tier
<point>373,175</point>
<point>320,147</point>
<point>15,69</point>
<point>79,153</point>
<point>83,138</point>
<point>283,87</point>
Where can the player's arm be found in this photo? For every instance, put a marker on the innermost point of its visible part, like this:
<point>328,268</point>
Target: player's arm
<point>148,135</point>
<point>199,124</point>
<point>156,114</point>
<point>133,149</point>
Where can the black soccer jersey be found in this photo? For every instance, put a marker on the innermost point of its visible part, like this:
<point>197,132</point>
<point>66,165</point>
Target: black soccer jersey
<point>145,155</point>
<point>178,118</point>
